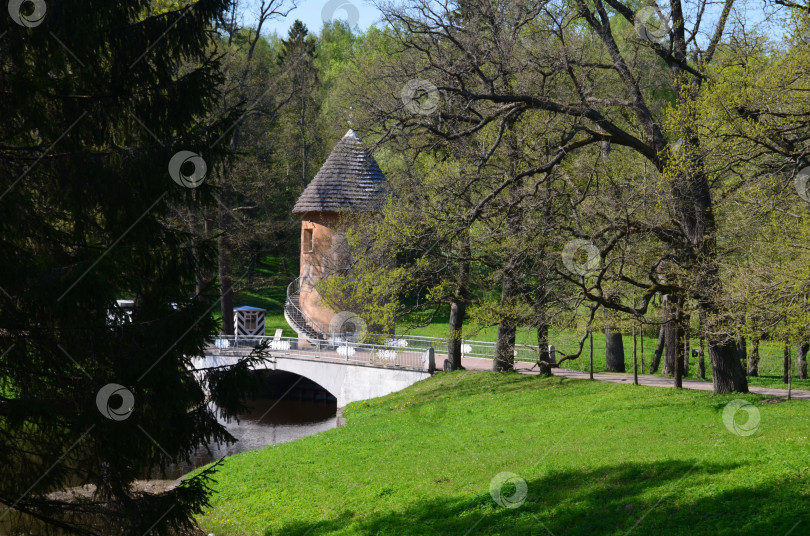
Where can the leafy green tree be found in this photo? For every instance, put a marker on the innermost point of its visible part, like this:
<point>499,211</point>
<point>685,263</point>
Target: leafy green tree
<point>612,73</point>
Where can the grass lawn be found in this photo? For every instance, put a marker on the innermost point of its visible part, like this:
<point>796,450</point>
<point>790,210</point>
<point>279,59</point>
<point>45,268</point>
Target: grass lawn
<point>596,458</point>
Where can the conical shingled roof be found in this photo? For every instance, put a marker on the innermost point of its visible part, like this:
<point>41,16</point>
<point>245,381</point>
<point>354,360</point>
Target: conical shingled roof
<point>349,181</point>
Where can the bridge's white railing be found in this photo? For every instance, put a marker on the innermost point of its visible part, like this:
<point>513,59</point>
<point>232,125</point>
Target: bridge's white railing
<point>469,347</point>
<point>419,342</point>
<point>333,350</point>
<point>407,351</point>
<point>486,350</point>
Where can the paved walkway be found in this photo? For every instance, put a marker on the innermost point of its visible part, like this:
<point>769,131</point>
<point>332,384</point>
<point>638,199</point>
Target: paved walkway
<point>471,363</point>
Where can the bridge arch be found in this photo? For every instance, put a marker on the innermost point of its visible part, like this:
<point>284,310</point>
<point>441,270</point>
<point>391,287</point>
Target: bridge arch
<point>350,382</point>
<point>284,385</point>
<point>347,381</point>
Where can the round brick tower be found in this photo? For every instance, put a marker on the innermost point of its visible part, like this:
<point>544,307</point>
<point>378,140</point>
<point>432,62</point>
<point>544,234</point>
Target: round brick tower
<point>349,182</point>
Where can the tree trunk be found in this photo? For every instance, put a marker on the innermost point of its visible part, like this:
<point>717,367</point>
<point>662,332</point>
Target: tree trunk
<point>753,359</point>
<point>702,361</point>
<point>686,345</point>
<point>505,347</point>
<point>659,349</point>
<point>458,310</point>
<point>252,268</point>
<point>635,358</point>
<point>671,336</point>
<point>507,327</point>
<point>786,364</point>
<point>225,281</point>
<point>677,343</point>
<point>458,307</point>
<point>642,348</point>
<point>303,131</point>
<point>510,290</point>
<point>728,376</point>
<point>686,349</point>
<point>742,353</point>
<point>544,357</point>
<point>801,360</point>
<point>590,336</point>
<point>692,199</point>
<point>727,373</point>
<point>614,351</point>
<point>678,376</point>
<point>204,276</point>
<point>223,244</point>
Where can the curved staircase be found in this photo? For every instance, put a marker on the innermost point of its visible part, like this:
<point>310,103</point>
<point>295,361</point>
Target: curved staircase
<point>306,327</point>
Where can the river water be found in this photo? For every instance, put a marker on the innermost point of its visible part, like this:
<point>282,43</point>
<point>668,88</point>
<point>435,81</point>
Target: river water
<point>269,422</point>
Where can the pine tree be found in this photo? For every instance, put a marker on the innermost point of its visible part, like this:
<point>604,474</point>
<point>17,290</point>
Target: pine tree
<point>99,100</point>
<point>297,60</point>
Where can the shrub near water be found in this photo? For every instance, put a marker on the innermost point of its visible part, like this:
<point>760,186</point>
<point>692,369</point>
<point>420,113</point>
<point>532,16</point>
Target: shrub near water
<point>596,458</point>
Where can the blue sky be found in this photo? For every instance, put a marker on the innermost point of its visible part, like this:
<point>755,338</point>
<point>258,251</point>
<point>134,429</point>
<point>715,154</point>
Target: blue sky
<point>311,13</point>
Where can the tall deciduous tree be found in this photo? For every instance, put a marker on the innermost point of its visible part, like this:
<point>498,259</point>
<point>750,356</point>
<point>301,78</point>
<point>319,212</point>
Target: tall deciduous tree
<point>602,68</point>
<point>247,77</point>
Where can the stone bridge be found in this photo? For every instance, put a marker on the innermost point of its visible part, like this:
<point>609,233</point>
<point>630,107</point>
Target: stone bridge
<point>350,372</point>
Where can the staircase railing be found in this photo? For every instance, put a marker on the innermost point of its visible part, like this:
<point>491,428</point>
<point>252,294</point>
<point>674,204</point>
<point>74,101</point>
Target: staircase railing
<point>317,332</point>
<point>302,323</point>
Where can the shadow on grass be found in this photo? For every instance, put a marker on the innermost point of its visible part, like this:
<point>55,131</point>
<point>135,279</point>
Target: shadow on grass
<point>671,498</point>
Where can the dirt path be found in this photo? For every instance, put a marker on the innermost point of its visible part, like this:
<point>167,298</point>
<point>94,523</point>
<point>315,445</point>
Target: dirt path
<point>472,363</point>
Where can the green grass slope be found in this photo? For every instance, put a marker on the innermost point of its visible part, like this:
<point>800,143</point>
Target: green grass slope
<point>597,458</point>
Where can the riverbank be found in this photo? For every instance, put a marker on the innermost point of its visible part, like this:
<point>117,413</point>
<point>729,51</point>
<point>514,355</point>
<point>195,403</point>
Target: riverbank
<point>596,458</point>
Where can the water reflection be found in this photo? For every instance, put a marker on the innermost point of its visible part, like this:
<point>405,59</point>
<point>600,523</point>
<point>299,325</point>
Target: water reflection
<point>268,422</point>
